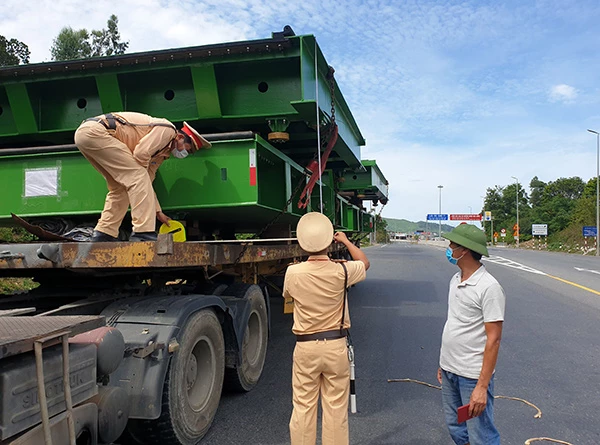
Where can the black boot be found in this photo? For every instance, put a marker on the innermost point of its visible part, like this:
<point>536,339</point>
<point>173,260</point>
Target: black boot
<point>143,236</point>
<point>101,237</point>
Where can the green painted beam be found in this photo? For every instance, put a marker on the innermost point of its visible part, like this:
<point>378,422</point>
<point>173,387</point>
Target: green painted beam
<point>205,86</point>
<point>22,111</point>
<point>109,92</point>
<point>7,123</point>
<point>64,184</point>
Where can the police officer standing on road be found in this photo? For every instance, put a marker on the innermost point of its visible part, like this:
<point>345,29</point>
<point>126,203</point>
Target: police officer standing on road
<point>127,148</point>
<point>321,364</point>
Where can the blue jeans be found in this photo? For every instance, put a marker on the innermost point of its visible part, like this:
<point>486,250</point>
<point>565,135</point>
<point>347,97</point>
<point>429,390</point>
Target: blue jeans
<point>456,391</point>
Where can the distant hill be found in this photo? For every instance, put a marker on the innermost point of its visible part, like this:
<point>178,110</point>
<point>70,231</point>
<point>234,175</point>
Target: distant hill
<point>405,226</point>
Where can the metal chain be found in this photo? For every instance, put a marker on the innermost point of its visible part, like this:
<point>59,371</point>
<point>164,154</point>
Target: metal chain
<point>331,80</point>
<point>325,138</point>
<point>326,135</point>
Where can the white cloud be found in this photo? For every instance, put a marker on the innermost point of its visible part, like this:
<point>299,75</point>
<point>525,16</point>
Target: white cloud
<point>563,93</point>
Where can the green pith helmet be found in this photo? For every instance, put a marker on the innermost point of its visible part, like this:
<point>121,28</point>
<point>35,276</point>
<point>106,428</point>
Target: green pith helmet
<point>469,236</point>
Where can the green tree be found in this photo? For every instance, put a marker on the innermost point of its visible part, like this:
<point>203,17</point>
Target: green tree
<point>557,203</point>
<point>502,202</point>
<point>512,194</point>
<point>556,212</point>
<point>71,45</point>
<point>568,188</point>
<point>584,212</point>
<point>493,198</point>
<point>381,235</point>
<point>565,204</point>
<point>107,42</point>
<point>13,52</point>
<point>81,44</point>
<point>537,190</point>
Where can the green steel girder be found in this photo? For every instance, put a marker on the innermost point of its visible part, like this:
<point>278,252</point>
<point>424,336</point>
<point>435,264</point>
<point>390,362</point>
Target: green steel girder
<point>216,88</point>
<point>215,187</point>
<point>65,184</point>
<point>370,184</point>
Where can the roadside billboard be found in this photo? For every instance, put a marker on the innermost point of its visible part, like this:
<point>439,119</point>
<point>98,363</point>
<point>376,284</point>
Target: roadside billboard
<point>465,217</point>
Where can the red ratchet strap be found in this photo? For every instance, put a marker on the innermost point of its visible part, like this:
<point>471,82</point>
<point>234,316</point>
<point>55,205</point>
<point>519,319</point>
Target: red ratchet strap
<point>305,196</point>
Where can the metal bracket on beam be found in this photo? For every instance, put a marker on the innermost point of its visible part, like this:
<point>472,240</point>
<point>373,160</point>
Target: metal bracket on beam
<point>50,252</point>
<point>164,244</point>
<point>7,255</point>
<point>148,350</point>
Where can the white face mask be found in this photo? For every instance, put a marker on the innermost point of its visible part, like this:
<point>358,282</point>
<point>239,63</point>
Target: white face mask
<point>179,154</point>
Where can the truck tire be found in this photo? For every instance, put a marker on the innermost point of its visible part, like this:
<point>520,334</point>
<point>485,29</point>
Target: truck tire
<point>192,388</point>
<point>245,375</point>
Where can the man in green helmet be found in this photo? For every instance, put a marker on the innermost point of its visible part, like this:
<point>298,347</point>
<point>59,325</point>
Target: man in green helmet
<point>471,339</point>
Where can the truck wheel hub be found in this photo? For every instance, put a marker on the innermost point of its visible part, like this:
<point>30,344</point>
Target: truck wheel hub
<point>192,371</point>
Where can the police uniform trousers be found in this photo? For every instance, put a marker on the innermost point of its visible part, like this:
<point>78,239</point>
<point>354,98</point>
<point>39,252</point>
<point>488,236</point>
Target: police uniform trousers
<point>128,182</point>
<point>321,367</point>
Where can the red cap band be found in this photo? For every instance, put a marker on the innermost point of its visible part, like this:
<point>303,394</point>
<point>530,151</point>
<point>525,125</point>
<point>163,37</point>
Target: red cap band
<point>196,139</point>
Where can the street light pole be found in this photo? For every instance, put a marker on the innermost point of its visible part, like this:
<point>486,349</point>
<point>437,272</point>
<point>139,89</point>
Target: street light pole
<point>597,186</point>
<point>440,213</point>
<point>483,213</point>
<point>517,194</point>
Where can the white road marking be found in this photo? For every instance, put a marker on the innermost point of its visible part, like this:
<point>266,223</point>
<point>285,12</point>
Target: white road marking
<point>510,263</point>
<point>587,270</point>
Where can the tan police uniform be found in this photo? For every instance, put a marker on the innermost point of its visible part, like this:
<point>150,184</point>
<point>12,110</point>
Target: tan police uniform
<point>128,158</point>
<point>320,366</point>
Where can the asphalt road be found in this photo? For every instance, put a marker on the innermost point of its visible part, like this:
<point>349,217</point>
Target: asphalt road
<point>550,353</point>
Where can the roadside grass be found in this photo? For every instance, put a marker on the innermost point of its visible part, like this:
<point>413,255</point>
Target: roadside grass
<point>10,286</point>
<point>15,235</point>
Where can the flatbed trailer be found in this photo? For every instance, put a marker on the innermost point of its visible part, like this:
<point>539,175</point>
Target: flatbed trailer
<point>194,316</point>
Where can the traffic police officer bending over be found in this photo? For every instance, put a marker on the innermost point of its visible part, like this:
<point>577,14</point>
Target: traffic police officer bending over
<point>321,365</point>
<point>127,148</point>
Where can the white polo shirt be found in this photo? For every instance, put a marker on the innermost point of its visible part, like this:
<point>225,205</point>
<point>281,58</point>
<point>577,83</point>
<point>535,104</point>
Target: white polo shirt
<point>478,300</point>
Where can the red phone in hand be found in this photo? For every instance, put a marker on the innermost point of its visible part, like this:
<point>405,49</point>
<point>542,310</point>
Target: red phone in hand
<point>463,413</point>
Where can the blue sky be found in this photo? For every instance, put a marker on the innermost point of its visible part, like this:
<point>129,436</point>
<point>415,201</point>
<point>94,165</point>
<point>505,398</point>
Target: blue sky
<point>460,94</point>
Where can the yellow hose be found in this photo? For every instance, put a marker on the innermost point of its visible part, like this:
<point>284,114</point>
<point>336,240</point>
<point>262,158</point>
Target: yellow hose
<point>537,415</point>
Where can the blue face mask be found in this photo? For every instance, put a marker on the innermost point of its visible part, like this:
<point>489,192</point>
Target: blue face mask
<point>449,252</point>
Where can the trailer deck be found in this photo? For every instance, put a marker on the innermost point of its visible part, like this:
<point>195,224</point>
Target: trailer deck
<point>26,259</point>
<point>19,334</point>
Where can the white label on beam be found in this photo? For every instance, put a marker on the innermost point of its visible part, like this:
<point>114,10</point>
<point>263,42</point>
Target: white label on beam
<point>41,182</point>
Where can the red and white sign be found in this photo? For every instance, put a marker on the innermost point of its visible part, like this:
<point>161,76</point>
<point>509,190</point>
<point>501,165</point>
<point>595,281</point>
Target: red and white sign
<point>252,167</point>
<point>465,217</point>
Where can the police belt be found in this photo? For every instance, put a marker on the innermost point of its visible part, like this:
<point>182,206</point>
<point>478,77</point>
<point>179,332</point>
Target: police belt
<point>109,121</point>
<point>325,335</point>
